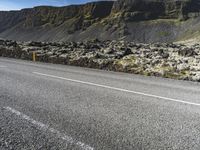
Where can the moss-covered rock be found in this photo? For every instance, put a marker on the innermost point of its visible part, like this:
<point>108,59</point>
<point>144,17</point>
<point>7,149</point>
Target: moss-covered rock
<point>159,59</point>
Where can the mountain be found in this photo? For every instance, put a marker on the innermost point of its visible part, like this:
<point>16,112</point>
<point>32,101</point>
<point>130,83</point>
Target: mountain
<point>131,20</point>
<point>154,9</point>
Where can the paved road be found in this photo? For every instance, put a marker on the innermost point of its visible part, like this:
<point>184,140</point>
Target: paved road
<point>56,107</point>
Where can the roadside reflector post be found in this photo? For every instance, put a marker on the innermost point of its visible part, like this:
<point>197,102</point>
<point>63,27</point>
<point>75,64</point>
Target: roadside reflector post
<point>34,56</point>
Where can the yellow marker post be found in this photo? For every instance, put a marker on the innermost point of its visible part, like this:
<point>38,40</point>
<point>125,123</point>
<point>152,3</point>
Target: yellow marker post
<point>34,56</point>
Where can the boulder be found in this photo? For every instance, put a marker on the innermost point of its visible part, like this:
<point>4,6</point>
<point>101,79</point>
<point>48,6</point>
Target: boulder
<point>187,52</point>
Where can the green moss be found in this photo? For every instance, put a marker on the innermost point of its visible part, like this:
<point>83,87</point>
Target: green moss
<point>88,16</point>
<point>171,75</point>
<point>175,22</point>
<point>127,63</point>
<point>169,72</point>
<point>129,60</point>
<point>163,34</point>
<point>145,73</point>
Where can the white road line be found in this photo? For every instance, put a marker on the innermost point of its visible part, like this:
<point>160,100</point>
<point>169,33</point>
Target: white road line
<point>119,89</point>
<point>41,126</point>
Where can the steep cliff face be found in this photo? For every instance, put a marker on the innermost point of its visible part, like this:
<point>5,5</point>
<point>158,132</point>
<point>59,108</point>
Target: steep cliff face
<point>135,10</point>
<point>46,23</point>
<point>152,9</point>
<point>57,15</point>
<point>132,20</point>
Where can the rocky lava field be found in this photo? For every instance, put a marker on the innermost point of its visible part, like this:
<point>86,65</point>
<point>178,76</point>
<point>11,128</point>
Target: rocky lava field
<point>177,61</point>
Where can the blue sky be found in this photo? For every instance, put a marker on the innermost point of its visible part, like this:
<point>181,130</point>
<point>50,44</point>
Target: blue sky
<point>19,4</point>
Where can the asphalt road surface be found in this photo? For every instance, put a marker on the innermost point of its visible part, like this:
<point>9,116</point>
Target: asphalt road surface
<point>56,107</point>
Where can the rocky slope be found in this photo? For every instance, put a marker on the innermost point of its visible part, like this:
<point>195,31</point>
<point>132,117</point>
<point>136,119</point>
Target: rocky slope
<point>176,61</point>
<point>132,20</point>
